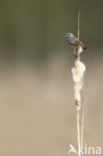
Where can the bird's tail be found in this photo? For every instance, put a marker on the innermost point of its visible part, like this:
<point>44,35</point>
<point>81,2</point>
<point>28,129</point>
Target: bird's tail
<point>85,47</point>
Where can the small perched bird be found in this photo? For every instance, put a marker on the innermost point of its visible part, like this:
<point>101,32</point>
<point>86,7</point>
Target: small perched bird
<point>75,43</point>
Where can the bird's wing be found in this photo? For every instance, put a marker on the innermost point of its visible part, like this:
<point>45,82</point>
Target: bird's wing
<point>74,41</point>
<point>79,43</point>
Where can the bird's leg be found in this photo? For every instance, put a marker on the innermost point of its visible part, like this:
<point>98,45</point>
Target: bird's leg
<point>77,54</point>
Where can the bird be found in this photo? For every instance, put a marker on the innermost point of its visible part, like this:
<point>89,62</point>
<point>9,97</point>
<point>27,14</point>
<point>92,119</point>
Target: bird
<point>76,44</point>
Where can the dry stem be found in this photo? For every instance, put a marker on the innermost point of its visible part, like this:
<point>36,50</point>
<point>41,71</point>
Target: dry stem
<point>78,74</point>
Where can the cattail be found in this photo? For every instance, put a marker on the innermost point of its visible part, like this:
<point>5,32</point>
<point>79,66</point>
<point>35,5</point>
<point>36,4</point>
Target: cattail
<point>78,72</point>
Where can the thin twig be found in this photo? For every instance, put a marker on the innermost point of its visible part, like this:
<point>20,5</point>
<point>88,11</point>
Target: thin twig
<point>82,103</point>
<point>78,127</point>
<point>78,73</point>
<point>78,32</point>
<point>78,107</point>
<point>82,120</point>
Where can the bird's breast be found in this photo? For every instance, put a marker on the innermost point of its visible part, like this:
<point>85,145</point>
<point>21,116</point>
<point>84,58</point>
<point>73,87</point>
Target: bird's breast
<point>80,49</point>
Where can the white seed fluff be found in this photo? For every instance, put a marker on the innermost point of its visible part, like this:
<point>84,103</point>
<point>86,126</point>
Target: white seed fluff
<point>78,72</point>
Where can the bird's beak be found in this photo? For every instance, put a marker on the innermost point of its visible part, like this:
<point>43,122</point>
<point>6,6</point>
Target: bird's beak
<point>66,35</point>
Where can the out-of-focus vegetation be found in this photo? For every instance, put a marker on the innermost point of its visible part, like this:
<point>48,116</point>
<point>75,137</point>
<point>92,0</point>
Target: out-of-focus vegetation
<point>34,29</point>
<point>37,115</point>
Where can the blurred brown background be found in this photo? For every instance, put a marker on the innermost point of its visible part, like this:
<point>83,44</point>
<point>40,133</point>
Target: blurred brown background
<point>37,111</point>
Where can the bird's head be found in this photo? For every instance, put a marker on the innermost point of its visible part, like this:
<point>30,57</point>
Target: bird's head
<point>69,35</point>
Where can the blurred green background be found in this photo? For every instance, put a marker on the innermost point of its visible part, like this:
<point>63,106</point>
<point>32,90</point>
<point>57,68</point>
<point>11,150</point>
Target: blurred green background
<point>37,111</point>
<point>32,30</point>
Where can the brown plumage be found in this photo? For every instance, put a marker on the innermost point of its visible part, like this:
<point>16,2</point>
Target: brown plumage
<point>75,43</point>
